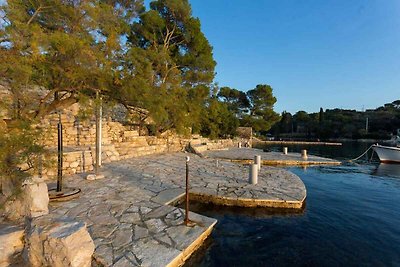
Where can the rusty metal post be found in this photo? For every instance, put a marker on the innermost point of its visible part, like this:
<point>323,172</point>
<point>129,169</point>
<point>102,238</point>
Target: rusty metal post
<point>187,192</point>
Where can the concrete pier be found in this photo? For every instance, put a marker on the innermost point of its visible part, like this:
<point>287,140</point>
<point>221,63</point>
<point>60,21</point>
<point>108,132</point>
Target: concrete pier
<point>246,155</point>
<point>130,213</point>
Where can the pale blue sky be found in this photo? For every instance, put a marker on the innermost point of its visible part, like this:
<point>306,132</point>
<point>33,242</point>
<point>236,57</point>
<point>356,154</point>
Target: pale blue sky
<point>314,54</point>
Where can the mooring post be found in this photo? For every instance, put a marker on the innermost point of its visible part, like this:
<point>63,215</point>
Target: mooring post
<point>304,154</point>
<point>187,192</point>
<point>60,153</point>
<point>257,160</point>
<point>253,173</point>
<point>285,150</point>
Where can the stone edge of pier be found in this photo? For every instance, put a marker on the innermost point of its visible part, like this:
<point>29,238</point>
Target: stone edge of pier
<point>248,202</point>
<point>285,162</point>
<point>192,248</point>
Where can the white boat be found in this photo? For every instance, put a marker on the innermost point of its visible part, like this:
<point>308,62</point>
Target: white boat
<point>387,154</point>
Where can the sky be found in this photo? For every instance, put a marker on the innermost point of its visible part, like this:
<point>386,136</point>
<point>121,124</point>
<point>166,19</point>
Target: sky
<point>314,53</point>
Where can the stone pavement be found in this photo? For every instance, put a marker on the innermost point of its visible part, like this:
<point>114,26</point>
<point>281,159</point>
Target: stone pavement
<point>268,158</point>
<point>127,215</point>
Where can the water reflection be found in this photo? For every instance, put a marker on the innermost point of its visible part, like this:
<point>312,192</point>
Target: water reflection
<point>387,170</point>
<point>259,213</point>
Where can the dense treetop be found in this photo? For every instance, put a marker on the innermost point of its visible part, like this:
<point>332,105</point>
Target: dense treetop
<point>156,62</point>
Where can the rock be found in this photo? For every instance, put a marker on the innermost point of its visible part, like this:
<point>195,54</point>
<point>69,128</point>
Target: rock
<point>74,164</point>
<point>32,202</point>
<point>36,198</point>
<point>7,186</point>
<point>155,225</point>
<point>151,253</point>
<point>11,243</point>
<point>92,177</point>
<point>57,242</point>
<point>122,237</point>
<point>104,255</point>
<point>140,232</point>
<point>130,218</point>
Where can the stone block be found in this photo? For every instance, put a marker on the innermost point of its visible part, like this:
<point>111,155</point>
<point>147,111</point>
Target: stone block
<point>35,197</point>
<point>57,242</point>
<point>74,164</point>
<point>11,243</point>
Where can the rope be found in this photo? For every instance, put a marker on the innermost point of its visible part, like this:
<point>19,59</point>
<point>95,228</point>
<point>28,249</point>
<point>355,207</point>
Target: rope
<point>366,151</point>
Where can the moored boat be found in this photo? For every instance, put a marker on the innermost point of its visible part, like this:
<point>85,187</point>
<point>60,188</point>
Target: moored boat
<point>387,154</point>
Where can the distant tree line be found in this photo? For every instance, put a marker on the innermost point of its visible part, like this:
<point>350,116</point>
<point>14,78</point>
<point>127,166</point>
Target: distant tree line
<point>378,123</point>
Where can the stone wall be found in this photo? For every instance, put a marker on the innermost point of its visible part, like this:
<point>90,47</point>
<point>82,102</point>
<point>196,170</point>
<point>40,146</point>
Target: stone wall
<point>118,142</point>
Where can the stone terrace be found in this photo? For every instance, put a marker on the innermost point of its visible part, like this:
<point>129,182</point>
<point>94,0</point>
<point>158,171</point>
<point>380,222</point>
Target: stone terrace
<point>131,224</point>
<point>268,158</point>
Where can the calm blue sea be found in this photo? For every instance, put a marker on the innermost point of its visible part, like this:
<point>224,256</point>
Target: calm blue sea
<point>351,218</point>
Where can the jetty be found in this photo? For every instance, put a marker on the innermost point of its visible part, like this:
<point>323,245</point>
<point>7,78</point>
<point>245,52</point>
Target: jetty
<point>276,142</point>
<point>132,213</point>
<point>246,155</point>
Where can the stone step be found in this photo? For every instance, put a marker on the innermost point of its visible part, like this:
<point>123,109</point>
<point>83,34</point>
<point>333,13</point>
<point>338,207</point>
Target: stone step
<point>138,141</point>
<point>136,149</point>
<point>130,135</point>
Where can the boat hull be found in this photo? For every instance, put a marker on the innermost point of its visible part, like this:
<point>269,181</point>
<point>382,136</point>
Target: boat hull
<point>387,154</point>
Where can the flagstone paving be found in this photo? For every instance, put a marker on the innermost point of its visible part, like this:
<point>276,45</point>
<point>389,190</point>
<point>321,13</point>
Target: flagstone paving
<point>127,213</point>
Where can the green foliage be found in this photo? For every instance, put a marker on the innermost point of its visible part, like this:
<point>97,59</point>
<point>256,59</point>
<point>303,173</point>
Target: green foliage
<point>237,101</point>
<point>157,63</point>
<point>20,151</point>
<point>168,68</point>
<point>261,112</point>
<point>218,121</point>
<point>66,47</point>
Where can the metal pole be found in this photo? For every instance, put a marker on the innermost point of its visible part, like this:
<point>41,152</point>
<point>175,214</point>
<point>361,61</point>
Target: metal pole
<point>98,133</point>
<point>60,154</point>
<point>187,192</point>
<point>100,127</point>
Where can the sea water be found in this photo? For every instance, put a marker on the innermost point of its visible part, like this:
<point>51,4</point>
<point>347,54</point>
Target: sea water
<point>351,218</point>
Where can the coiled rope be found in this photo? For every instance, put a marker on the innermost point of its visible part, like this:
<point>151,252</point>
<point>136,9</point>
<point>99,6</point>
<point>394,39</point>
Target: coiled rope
<point>366,151</point>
